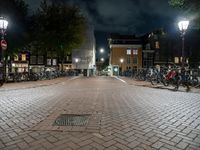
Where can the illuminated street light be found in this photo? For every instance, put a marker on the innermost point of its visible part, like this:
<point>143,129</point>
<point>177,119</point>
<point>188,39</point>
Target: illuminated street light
<point>121,60</point>
<point>3,27</point>
<point>101,50</point>
<point>183,25</point>
<point>102,59</point>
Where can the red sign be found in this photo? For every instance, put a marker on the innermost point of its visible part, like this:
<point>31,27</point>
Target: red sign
<point>3,44</point>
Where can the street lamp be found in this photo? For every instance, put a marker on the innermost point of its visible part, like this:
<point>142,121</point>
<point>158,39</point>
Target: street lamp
<point>101,50</point>
<point>3,27</point>
<point>183,25</point>
<point>121,61</point>
<point>76,61</point>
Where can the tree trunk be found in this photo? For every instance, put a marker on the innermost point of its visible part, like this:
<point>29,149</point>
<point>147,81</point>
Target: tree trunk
<point>62,64</point>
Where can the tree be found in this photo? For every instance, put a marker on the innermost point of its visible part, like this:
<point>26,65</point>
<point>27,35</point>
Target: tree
<point>58,27</point>
<point>190,9</point>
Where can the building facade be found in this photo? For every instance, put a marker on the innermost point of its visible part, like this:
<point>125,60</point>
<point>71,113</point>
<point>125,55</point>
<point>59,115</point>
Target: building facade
<point>125,52</point>
<point>83,58</point>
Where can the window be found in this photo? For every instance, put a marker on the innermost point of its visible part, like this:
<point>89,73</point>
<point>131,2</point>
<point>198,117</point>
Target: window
<point>33,60</point>
<point>128,51</point>
<point>54,62</point>
<point>135,59</point>
<point>40,59</point>
<point>176,60</point>
<point>157,45</point>
<point>49,62</point>
<point>135,56</point>
<point>128,59</point>
<point>148,46</point>
<point>145,55</point>
<point>135,51</point>
<point>23,57</point>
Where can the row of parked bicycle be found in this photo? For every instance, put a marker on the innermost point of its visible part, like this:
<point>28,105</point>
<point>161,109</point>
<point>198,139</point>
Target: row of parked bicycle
<point>166,76</point>
<point>34,76</point>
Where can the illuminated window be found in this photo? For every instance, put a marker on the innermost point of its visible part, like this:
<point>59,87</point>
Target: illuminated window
<point>128,52</point>
<point>176,60</point>
<point>181,58</point>
<point>23,57</point>
<point>135,51</point>
<point>157,45</point>
<point>54,62</point>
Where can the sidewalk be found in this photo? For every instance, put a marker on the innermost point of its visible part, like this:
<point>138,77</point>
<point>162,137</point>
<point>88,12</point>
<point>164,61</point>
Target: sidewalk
<point>33,84</point>
<point>160,86</point>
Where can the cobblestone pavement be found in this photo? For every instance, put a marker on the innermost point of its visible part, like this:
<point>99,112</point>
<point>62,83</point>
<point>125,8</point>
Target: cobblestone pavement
<point>123,116</point>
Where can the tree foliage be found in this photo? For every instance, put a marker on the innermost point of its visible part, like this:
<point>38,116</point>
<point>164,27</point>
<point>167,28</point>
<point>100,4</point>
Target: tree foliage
<point>58,27</point>
<point>190,9</point>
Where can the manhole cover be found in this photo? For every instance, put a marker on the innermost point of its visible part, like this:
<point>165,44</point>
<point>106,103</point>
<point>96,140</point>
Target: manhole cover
<point>71,120</point>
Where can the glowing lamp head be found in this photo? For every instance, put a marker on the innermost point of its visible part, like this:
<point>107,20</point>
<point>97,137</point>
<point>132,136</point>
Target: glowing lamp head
<point>3,23</point>
<point>183,25</point>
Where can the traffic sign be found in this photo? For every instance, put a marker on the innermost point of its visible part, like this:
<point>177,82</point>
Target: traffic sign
<point>3,44</point>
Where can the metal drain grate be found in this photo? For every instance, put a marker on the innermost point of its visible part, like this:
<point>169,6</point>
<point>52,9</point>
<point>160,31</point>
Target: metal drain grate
<point>71,120</point>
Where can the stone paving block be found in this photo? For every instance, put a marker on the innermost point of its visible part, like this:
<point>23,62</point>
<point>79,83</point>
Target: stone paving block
<point>121,146</point>
<point>87,147</point>
<point>158,144</point>
<point>133,144</point>
<point>171,147</point>
<point>176,139</point>
<point>72,145</point>
<point>109,143</point>
<point>182,145</point>
<point>52,139</point>
<point>112,148</point>
<point>23,145</point>
<point>97,146</point>
<point>85,142</point>
<point>131,138</point>
<point>122,141</point>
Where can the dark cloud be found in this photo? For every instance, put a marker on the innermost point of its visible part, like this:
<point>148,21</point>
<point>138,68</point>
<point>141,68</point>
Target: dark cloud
<point>127,16</point>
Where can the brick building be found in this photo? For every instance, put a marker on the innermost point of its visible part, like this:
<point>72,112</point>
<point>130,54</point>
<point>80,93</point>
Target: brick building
<point>125,51</point>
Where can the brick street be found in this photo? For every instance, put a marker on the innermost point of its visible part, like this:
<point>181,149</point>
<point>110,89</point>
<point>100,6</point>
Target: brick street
<point>123,116</point>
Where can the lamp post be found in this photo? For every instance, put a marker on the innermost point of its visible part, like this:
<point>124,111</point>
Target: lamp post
<point>121,61</point>
<point>101,51</point>
<point>3,27</point>
<point>76,61</point>
<point>183,25</point>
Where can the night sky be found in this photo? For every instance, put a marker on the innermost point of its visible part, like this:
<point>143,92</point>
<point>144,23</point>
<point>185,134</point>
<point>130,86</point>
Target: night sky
<point>124,16</point>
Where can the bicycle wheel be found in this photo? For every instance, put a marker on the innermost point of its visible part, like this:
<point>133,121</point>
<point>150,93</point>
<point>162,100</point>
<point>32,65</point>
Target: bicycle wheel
<point>194,82</point>
<point>154,80</point>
